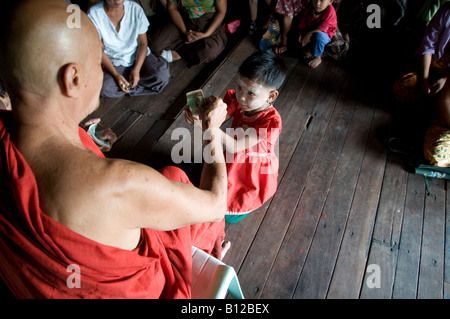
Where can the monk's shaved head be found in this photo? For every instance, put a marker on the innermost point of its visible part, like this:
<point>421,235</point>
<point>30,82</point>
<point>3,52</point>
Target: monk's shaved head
<point>36,42</point>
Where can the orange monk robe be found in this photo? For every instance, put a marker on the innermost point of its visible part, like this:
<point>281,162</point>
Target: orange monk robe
<point>40,256</point>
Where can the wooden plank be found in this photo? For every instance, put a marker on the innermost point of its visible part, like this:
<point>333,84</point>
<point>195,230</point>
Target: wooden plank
<point>350,265</point>
<point>106,104</point>
<point>124,148</point>
<point>284,203</point>
<point>321,251</point>
<point>407,271</point>
<point>386,235</point>
<point>431,273</point>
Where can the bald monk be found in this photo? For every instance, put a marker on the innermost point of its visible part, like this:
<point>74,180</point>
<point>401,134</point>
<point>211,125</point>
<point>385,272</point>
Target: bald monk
<point>74,224</point>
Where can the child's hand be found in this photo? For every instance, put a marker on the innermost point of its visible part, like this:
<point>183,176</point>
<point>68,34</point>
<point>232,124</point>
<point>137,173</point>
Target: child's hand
<point>305,39</point>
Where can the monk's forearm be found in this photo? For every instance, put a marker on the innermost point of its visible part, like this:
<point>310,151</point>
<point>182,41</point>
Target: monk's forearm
<point>214,174</point>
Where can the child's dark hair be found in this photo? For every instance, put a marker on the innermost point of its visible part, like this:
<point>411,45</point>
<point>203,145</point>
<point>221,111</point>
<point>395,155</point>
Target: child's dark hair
<point>265,67</point>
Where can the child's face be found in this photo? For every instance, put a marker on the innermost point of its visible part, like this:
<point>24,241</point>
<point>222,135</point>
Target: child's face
<point>254,97</point>
<point>320,5</point>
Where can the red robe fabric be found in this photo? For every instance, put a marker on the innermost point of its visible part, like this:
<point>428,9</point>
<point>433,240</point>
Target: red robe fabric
<point>39,254</point>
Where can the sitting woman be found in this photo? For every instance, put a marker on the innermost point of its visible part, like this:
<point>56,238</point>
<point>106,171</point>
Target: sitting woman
<point>194,32</point>
<point>130,67</point>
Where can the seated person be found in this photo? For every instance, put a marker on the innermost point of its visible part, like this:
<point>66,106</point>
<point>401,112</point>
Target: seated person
<point>130,67</point>
<point>195,31</point>
<point>432,71</point>
<point>318,24</point>
<point>288,9</point>
<point>126,229</point>
<point>434,63</point>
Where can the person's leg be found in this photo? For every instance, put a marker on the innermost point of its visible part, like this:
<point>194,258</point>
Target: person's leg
<point>167,37</point>
<point>321,39</point>
<point>204,50</point>
<point>287,23</point>
<point>110,87</point>
<point>155,73</point>
<point>210,48</point>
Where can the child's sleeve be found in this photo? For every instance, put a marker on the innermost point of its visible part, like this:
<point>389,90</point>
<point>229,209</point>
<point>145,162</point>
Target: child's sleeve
<point>231,102</point>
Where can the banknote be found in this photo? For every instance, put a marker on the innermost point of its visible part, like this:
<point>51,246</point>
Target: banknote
<point>194,100</point>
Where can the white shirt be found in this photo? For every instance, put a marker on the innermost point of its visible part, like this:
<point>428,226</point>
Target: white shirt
<point>120,47</point>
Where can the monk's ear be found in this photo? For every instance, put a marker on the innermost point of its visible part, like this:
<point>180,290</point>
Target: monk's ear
<point>70,80</point>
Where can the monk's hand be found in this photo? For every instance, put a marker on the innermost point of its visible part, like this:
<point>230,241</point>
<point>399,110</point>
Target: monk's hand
<point>213,112</point>
<point>190,118</point>
<point>134,78</point>
<point>106,134</point>
<point>103,133</point>
<point>122,83</point>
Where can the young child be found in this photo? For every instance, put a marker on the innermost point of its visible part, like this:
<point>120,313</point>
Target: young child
<point>318,24</point>
<point>252,165</point>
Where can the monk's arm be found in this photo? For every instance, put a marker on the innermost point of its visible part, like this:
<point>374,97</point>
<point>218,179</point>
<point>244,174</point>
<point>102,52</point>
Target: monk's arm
<point>152,201</point>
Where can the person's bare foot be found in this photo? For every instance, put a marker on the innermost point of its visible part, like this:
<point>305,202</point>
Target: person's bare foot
<point>280,49</point>
<point>314,63</point>
<point>226,245</point>
<point>175,56</point>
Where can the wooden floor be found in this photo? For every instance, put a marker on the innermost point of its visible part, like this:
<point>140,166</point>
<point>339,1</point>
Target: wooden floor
<point>347,216</point>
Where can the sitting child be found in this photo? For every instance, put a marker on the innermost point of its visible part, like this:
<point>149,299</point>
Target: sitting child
<point>252,164</point>
<point>318,24</point>
<point>129,65</point>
